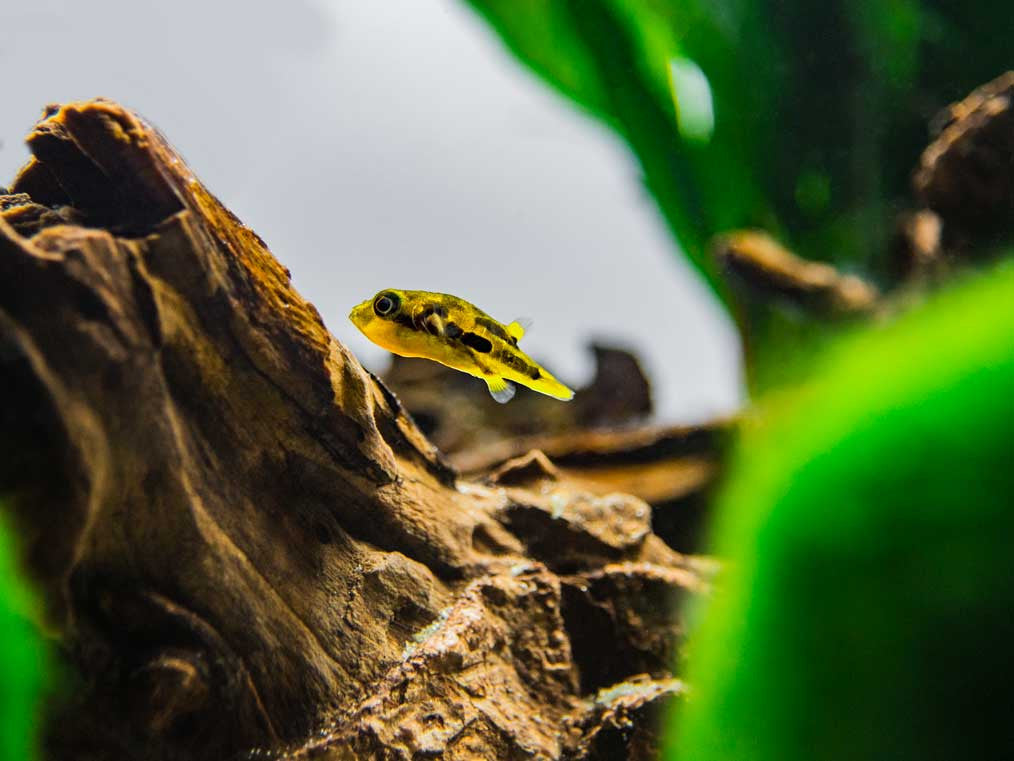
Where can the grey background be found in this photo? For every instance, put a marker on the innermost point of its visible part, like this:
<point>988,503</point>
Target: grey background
<point>393,143</point>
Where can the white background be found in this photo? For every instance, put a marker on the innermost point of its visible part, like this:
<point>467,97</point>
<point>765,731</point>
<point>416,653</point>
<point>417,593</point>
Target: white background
<point>393,143</point>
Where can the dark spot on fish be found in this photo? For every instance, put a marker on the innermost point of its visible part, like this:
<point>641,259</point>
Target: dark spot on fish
<point>493,327</point>
<point>512,360</point>
<point>452,331</point>
<point>405,320</point>
<point>477,342</point>
<point>430,309</point>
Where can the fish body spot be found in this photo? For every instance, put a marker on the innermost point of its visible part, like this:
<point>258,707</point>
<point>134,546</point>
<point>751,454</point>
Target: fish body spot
<point>519,363</point>
<point>477,342</point>
<point>493,327</point>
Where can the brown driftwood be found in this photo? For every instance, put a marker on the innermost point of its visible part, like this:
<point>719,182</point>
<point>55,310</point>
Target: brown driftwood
<point>600,443</point>
<point>460,416</point>
<point>965,175</point>
<point>244,542</point>
<point>769,272</point>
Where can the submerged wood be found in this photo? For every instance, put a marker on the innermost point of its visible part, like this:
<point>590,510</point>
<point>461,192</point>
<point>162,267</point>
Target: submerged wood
<point>244,543</point>
<point>965,175</point>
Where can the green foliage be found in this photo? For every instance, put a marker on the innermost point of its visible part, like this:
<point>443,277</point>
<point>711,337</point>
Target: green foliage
<point>867,607</point>
<point>866,612</point>
<point>22,662</point>
<point>819,109</point>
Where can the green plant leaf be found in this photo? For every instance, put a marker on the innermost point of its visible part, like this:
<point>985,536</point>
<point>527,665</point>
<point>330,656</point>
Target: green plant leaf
<point>616,61</point>
<point>22,660</point>
<point>803,118</point>
<point>867,523</point>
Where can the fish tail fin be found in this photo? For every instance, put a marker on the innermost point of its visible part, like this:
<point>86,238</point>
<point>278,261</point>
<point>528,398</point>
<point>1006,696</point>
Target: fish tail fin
<point>550,386</point>
<point>502,390</point>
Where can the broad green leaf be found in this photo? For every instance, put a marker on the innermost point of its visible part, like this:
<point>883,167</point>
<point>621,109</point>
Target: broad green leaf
<point>816,112</point>
<point>867,526</point>
<point>616,60</point>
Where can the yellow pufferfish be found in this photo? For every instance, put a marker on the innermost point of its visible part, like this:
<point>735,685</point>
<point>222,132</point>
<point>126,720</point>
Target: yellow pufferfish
<point>457,334</point>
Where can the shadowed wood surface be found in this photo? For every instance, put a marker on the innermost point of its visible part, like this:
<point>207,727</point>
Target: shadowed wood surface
<point>965,173</point>
<point>246,545</point>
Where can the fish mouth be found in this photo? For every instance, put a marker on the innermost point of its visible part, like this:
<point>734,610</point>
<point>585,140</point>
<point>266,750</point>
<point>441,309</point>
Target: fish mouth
<point>361,314</point>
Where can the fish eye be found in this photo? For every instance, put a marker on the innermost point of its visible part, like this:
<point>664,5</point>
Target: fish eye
<point>386,304</point>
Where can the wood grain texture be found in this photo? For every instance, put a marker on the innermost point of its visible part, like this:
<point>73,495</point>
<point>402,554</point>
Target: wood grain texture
<point>243,541</point>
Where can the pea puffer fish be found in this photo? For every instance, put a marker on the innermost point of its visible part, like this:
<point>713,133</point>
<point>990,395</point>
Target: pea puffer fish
<point>457,334</point>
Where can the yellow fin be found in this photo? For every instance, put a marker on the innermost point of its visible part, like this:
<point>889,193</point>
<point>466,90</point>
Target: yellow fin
<point>434,325</point>
<point>516,329</point>
<point>503,391</point>
<point>550,386</point>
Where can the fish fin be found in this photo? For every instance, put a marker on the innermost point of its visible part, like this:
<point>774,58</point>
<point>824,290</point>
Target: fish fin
<point>502,390</point>
<point>550,386</point>
<point>434,325</point>
<point>516,329</point>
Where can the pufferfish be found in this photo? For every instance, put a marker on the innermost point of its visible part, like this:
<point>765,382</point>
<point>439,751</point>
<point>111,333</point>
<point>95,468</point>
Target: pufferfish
<point>457,334</point>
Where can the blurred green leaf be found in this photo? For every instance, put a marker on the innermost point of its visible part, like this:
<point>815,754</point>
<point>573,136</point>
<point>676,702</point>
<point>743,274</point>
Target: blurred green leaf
<point>22,662</point>
<point>819,109</point>
<point>615,59</point>
<point>867,522</point>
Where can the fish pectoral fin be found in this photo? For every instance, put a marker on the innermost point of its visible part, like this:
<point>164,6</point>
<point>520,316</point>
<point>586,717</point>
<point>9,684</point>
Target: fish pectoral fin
<point>502,390</point>
<point>516,329</point>
<point>434,325</point>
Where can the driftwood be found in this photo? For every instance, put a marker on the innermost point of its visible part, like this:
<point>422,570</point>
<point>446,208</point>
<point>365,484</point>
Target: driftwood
<point>965,175</point>
<point>245,544</point>
<point>458,418</point>
<point>769,272</point>
<point>600,443</point>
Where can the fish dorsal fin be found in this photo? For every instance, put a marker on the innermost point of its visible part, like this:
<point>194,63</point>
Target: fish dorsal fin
<point>516,329</point>
<point>502,390</point>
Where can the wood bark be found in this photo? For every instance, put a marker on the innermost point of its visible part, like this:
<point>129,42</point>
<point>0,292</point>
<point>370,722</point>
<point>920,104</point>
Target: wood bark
<point>247,547</point>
